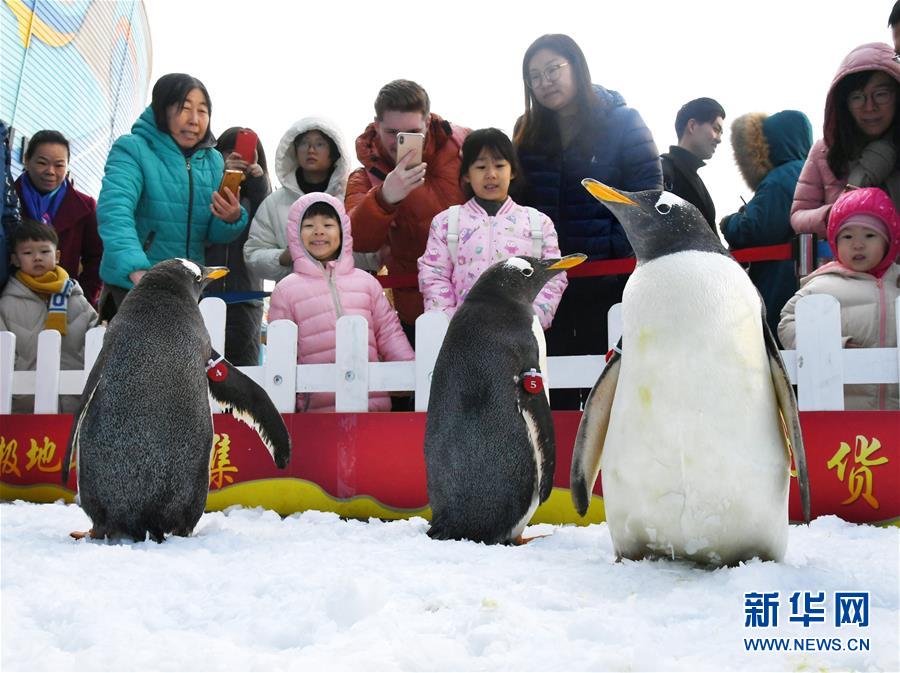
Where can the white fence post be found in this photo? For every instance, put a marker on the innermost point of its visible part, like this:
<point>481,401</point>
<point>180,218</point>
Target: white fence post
<point>613,325</point>
<point>46,375</point>
<point>7,365</point>
<point>431,328</point>
<point>213,311</point>
<point>93,343</point>
<point>820,365</point>
<point>351,384</point>
<point>280,367</point>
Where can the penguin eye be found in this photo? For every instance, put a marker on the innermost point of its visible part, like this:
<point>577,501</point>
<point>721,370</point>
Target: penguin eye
<point>527,271</point>
<point>663,208</point>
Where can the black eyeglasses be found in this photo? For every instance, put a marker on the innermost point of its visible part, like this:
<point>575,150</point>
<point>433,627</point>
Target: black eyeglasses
<point>551,73</point>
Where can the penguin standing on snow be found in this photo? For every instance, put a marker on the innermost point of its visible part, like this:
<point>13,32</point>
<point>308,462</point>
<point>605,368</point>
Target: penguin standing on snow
<point>688,419</point>
<point>143,435</point>
<point>489,446</point>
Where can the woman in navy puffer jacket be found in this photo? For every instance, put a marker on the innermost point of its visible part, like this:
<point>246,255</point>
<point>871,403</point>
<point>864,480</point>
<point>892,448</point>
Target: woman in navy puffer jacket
<point>571,130</point>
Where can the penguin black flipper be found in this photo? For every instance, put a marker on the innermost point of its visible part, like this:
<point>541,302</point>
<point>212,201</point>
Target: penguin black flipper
<point>787,404</point>
<point>535,409</point>
<point>87,395</point>
<point>248,402</point>
<point>591,434</point>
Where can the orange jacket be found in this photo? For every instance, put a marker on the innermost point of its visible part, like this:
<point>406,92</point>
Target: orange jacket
<point>404,226</point>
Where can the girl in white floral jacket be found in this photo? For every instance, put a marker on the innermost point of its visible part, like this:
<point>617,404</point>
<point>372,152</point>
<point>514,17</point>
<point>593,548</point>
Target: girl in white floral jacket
<point>489,227</point>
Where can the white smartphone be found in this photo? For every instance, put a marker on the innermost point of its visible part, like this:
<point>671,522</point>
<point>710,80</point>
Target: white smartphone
<point>407,142</point>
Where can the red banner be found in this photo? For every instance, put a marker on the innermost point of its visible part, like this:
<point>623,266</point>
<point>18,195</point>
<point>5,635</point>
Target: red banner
<point>373,465</point>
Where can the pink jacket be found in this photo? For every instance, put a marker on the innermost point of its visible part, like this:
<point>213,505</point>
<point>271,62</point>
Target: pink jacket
<point>315,296</point>
<point>484,240</point>
<point>818,187</point>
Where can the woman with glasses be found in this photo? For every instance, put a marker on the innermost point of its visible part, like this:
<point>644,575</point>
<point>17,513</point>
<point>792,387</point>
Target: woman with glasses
<point>311,157</point>
<point>573,129</point>
<point>861,137</point>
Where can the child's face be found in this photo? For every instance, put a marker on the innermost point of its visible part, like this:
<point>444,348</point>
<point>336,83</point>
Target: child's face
<point>321,235</point>
<point>489,176</point>
<point>35,258</point>
<point>860,248</point>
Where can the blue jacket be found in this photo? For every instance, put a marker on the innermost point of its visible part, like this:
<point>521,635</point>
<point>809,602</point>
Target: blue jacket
<point>9,217</point>
<point>154,202</point>
<point>624,157</point>
<point>770,153</point>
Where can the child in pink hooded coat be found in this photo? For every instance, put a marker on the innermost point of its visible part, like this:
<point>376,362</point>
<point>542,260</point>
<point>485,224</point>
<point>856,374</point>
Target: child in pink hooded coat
<point>490,227</point>
<point>324,286</point>
<point>864,230</point>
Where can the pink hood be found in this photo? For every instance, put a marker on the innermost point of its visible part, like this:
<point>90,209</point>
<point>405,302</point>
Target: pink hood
<point>867,201</point>
<point>871,56</point>
<point>305,263</point>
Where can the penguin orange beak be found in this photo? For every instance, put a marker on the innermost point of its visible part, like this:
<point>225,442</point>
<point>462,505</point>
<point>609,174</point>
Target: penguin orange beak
<point>603,193</point>
<point>568,261</point>
<point>216,272</point>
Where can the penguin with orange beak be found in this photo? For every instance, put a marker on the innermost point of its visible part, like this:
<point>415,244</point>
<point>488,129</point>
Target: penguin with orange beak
<point>490,450</point>
<point>695,421</point>
<point>142,436</point>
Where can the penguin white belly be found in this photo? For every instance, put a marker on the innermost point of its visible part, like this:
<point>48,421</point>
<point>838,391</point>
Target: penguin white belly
<point>694,464</point>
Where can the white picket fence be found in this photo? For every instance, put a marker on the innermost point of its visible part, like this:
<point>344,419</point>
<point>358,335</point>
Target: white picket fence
<point>819,366</point>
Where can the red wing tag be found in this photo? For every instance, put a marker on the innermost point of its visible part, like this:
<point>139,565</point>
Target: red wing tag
<point>216,370</point>
<point>533,382</point>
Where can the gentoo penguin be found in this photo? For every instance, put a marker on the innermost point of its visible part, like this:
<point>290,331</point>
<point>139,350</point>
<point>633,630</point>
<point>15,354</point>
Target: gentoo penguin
<point>142,436</point>
<point>490,451</point>
<point>688,422</point>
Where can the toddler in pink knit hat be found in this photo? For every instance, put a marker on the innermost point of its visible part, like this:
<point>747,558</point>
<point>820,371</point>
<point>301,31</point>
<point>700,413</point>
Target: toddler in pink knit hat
<point>864,231</point>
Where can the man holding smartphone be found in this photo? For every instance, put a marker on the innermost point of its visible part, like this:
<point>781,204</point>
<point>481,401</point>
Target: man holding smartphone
<point>392,199</point>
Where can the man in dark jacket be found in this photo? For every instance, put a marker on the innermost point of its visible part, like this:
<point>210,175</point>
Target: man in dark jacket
<point>698,126</point>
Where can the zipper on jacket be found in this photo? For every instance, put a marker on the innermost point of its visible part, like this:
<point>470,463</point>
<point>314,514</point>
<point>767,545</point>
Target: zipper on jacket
<point>882,335</point>
<point>187,244</point>
<point>332,286</point>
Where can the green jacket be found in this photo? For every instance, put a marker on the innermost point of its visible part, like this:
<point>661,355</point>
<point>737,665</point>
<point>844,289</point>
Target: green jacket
<point>155,202</point>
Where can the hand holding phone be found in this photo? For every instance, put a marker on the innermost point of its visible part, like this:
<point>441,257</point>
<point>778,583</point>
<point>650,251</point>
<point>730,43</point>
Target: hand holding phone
<point>410,142</point>
<point>245,145</point>
<point>231,181</point>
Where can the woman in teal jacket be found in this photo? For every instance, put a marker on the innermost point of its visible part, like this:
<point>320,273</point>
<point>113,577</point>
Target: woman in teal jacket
<point>159,197</point>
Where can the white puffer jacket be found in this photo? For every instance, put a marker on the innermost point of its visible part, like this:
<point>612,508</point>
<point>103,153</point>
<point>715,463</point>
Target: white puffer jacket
<point>868,320</point>
<point>266,240</point>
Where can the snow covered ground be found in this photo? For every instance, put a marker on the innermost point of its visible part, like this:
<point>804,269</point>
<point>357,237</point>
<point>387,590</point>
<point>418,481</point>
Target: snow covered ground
<point>252,591</point>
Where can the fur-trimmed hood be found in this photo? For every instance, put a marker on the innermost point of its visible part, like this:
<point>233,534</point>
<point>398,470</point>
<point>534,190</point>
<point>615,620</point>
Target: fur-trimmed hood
<point>286,157</point>
<point>762,142</point>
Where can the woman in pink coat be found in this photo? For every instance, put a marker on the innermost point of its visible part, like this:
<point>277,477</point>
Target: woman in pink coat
<point>465,240</point>
<point>324,286</point>
<point>861,137</point>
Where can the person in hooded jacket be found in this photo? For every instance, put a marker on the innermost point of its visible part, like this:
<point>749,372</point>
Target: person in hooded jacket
<point>159,197</point>
<point>770,151</point>
<point>311,157</point>
<point>860,137</point>
<point>864,232</point>
<point>241,291</point>
<point>571,130</point>
<point>324,286</point>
